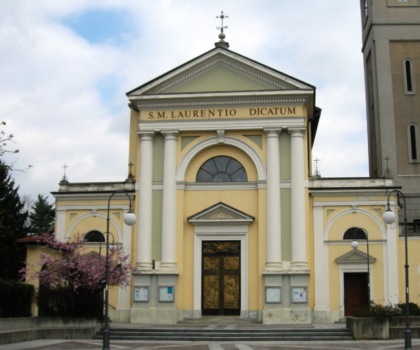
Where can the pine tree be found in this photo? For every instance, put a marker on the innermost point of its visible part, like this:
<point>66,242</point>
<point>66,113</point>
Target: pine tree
<point>42,216</point>
<point>12,227</point>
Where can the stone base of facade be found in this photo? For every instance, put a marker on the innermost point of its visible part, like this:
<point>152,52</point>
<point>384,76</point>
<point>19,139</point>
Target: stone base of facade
<point>286,297</point>
<point>120,315</point>
<point>154,298</point>
<point>154,315</point>
<point>287,315</point>
<point>322,315</point>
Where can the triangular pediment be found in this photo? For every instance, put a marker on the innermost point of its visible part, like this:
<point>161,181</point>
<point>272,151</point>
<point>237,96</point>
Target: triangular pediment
<point>220,213</point>
<point>355,256</point>
<point>219,70</point>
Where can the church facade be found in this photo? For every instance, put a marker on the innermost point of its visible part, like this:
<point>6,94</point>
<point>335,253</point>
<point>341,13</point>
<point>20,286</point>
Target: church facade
<point>231,217</point>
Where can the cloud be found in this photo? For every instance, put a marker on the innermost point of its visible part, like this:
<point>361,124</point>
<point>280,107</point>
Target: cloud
<point>63,85</point>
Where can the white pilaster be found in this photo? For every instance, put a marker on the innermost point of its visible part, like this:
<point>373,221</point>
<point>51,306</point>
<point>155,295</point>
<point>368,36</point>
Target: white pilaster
<point>124,303</point>
<point>321,269</point>
<point>60,225</point>
<point>144,236</point>
<point>273,259</point>
<point>169,203</point>
<point>391,293</point>
<point>299,257</point>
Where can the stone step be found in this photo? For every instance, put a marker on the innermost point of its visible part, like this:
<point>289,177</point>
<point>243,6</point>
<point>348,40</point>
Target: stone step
<point>227,334</point>
<point>206,320</point>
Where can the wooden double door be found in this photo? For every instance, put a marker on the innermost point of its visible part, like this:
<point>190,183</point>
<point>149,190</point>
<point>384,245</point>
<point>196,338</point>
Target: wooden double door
<point>221,272</point>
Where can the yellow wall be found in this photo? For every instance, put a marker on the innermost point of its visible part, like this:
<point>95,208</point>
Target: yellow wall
<point>338,220</point>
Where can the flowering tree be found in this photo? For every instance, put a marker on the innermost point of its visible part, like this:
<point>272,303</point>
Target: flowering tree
<point>72,267</point>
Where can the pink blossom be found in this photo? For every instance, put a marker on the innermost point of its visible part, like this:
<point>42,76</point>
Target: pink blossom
<point>73,268</point>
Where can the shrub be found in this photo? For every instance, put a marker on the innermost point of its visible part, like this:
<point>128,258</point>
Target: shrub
<point>382,312</point>
<point>15,299</point>
<point>66,302</point>
<point>413,308</point>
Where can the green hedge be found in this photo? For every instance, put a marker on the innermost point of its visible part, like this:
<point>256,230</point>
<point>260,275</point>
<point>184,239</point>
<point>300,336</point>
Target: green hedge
<point>386,311</point>
<point>15,299</point>
<point>65,302</point>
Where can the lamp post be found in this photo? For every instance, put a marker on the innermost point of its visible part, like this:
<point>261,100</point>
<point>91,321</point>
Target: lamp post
<point>130,220</point>
<point>355,245</point>
<point>389,217</point>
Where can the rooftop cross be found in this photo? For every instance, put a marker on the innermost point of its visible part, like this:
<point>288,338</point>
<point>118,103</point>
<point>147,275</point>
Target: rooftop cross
<point>64,180</point>
<point>317,173</point>
<point>222,43</point>
<point>65,166</point>
<point>130,177</point>
<point>222,17</point>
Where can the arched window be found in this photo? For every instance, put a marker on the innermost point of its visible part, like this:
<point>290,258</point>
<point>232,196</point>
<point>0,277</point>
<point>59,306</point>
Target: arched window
<point>413,142</point>
<point>94,236</point>
<point>355,233</point>
<point>409,77</point>
<point>221,169</point>
<point>365,8</point>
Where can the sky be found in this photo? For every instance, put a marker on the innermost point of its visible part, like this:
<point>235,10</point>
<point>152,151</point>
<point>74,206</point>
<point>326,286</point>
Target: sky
<point>65,67</point>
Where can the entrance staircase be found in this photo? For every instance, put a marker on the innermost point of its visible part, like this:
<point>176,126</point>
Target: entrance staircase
<point>232,330</point>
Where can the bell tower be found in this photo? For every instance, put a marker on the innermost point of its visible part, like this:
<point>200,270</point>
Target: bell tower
<point>391,54</point>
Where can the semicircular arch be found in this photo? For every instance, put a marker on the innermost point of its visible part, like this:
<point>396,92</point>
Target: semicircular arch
<point>214,141</point>
<point>94,215</point>
<point>378,223</point>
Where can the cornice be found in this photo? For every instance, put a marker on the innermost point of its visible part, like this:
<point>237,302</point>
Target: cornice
<point>205,125</point>
<point>212,101</point>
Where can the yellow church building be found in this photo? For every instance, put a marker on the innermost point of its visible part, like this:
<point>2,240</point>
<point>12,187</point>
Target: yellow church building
<point>231,217</point>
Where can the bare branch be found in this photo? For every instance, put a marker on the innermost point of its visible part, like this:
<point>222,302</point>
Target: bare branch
<point>7,146</point>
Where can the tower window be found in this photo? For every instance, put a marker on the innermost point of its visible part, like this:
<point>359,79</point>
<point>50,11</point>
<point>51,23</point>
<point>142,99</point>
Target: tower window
<point>413,143</point>
<point>365,8</point>
<point>409,82</point>
<point>221,169</point>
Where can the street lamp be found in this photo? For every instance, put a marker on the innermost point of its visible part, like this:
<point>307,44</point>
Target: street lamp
<point>130,220</point>
<point>355,245</point>
<point>389,217</point>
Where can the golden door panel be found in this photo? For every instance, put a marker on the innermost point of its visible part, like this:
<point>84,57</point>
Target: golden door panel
<point>211,263</point>
<point>211,292</point>
<point>221,278</point>
<point>231,292</point>
<point>222,247</point>
<point>231,263</point>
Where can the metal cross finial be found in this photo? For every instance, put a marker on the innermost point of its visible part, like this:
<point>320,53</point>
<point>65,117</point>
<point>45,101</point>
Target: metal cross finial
<point>222,17</point>
<point>65,166</point>
<point>317,174</point>
<point>130,174</point>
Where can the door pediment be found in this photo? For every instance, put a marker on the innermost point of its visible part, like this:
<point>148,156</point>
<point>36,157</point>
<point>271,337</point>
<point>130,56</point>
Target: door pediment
<point>355,256</point>
<point>220,213</point>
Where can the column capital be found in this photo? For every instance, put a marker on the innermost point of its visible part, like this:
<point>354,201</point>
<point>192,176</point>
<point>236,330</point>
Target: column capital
<point>169,133</point>
<point>273,132</point>
<point>296,131</point>
<point>146,135</point>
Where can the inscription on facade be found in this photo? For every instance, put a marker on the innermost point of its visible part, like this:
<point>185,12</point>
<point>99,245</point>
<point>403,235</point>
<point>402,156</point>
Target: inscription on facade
<point>222,113</point>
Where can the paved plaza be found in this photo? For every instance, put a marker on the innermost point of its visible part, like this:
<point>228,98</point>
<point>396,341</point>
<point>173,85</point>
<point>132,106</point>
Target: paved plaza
<point>82,344</point>
<point>154,345</point>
